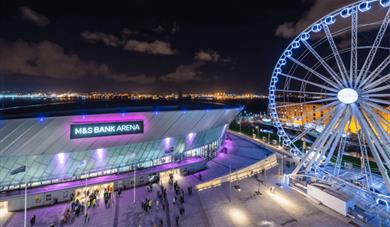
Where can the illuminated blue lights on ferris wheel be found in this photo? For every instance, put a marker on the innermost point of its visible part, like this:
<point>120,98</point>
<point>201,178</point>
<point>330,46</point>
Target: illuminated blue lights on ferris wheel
<point>346,12</point>
<point>296,44</point>
<point>385,3</point>
<point>330,20</point>
<point>286,81</point>
<point>305,36</point>
<point>316,28</point>
<point>365,6</point>
<point>288,53</point>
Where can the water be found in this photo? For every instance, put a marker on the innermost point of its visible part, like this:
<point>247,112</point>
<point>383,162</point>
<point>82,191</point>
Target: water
<point>251,105</point>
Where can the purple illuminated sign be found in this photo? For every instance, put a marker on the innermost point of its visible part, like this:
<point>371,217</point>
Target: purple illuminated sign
<point>105,129</point>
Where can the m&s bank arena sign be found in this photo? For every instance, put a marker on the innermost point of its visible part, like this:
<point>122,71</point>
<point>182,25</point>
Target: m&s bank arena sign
<point>105,129</point>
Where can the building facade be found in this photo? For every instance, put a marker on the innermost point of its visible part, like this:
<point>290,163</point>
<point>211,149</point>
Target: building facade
<point>69,147</point>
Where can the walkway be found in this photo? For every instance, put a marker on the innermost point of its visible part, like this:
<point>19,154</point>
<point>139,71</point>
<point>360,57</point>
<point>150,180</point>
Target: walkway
<point>205,208</point>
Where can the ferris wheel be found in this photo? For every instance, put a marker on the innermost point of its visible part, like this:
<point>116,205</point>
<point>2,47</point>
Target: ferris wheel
<point>331,86</point>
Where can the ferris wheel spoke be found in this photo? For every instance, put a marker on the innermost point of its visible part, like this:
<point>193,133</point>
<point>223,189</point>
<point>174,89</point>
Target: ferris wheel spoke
<point>365,161</point>
<point>354,42</point>
<point>377,82</point>
<point>378,39</point>
<point>379,101</point>
<point>338,120</point>
<point>308,82</point>
<point>314,73</point>
<point>318,121</point>
<point>324,135</point>
<point>374,145</point>
<point>333,144</point>
<point>308,102</point>
<point>336,54</point>
<point>378,95</point>
<point>378,116</point>
<point>329,69</point>
<point>373,120</point>
<point>306,92</point>
<point>377,72</point>
<point>377,89</point>
<point>381,136</point>
<point>376,106</point>
<point>322,108</point>
<point>338,136</point>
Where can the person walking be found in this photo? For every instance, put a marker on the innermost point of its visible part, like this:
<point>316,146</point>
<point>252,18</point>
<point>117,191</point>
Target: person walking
<point>86,217</point>
<point>177,220</point>
<point>150,204</point>
<point>161,223</point>
<point>32,220</point>
<point>174,200</point>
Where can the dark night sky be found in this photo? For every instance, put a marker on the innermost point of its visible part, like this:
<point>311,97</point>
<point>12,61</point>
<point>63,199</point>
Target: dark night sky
<point>147,46</point>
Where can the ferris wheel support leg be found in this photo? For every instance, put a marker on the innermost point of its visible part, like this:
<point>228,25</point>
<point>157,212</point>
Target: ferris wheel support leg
<point>364,159</point>
<point>333,148</point>
<point>321,119</point>
<point>367,131</point>
<point>325,133</point>
<point>338,135</point>
<point>324,137</point>
<point>339,159</point>
<point>326,147</point>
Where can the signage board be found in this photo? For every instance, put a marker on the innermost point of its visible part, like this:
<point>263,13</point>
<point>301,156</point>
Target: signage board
<point>78,131</point>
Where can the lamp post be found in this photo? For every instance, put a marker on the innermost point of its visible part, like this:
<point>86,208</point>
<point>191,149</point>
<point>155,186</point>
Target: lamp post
<point>230,183</point>
<point>134,186</point>
<point>25,195</point>
<point>23,169</point>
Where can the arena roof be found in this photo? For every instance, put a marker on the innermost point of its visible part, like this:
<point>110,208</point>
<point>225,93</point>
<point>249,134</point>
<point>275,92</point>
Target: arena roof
<point>61,108</point>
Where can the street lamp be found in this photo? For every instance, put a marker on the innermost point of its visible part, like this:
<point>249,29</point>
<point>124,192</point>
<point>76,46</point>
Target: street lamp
<point>257,128</point>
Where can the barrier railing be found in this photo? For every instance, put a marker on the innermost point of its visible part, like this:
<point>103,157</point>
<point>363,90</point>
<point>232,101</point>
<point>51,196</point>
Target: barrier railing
<point>265,164</point>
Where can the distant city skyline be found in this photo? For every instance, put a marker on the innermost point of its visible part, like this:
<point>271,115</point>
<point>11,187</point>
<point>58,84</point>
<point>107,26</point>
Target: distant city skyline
<point>147,46</point>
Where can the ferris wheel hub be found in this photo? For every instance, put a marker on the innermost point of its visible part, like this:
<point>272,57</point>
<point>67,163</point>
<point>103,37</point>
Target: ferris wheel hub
<point>347,95</point>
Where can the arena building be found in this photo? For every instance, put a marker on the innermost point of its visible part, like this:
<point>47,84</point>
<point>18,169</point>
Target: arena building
<point>67,142</point>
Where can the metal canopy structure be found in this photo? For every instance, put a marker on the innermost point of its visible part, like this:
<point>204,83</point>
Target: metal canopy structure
<point>339,66</point>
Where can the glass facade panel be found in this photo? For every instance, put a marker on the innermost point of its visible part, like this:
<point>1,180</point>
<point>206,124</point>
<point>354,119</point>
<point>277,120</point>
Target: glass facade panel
<point>47,168</point>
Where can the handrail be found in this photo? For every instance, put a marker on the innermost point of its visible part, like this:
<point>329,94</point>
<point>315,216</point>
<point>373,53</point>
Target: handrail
<point>265,164</point>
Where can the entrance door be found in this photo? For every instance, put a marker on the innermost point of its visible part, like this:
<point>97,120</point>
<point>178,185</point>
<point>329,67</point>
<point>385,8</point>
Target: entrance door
<point>3,210</point>
<point>81,193</point>
<point>164,176</point>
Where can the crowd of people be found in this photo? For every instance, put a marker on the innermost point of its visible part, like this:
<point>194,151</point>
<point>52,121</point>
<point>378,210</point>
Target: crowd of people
<point>161,201</point>
<point>90,200</point>
<point>83,202</point>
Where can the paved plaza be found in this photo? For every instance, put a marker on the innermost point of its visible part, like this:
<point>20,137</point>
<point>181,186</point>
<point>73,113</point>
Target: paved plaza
<point>210,207</point>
